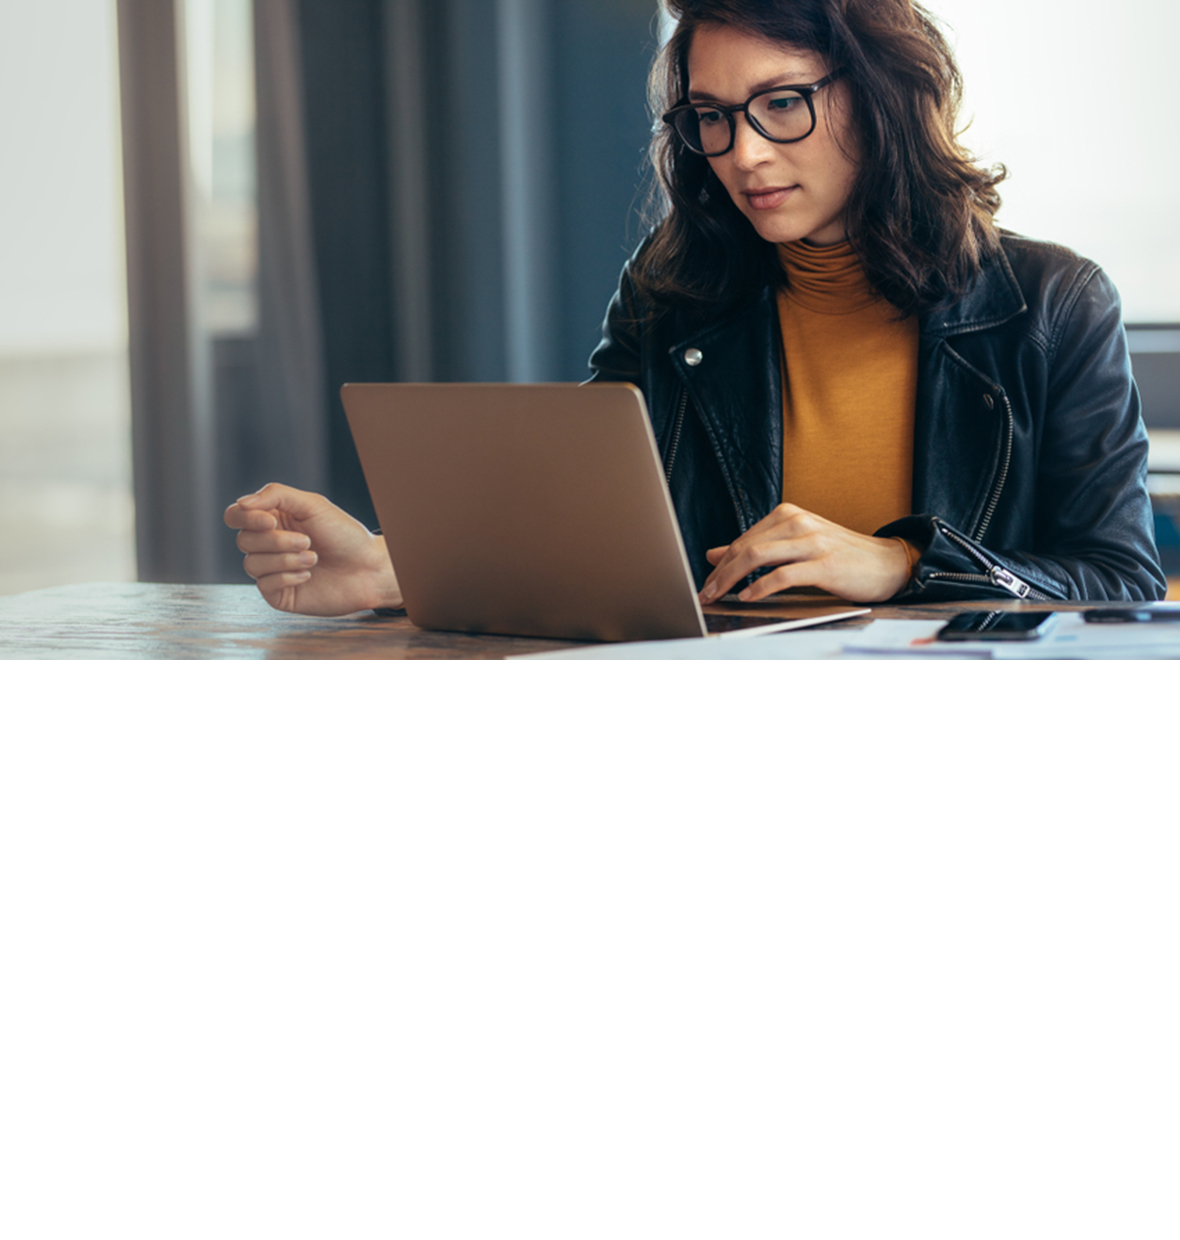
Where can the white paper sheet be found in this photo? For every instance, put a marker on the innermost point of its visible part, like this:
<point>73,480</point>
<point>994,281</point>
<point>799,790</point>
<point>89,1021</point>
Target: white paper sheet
<point>914,638</point>
<point>1073,638</point>
<point>1070,638</point>
<point>803,644</point>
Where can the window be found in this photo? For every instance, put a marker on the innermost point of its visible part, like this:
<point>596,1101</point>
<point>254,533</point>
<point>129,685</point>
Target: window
<point>220,77</point>
<point>66,511</point>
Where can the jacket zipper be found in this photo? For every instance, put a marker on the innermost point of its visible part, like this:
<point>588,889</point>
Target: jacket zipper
<point>674,446</point>
<point>1005,468</point>
<point>677,427</point>
<point>995,575</point>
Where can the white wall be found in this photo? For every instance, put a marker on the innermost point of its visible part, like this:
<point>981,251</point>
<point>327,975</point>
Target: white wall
<point>62,286</point>
<point>1078,98</point>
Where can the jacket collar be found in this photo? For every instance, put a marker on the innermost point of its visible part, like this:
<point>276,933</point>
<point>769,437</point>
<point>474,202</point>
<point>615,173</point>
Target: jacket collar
<point>992,298</point>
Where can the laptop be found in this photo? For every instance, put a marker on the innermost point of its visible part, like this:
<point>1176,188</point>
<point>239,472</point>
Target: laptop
<point>528,510</point>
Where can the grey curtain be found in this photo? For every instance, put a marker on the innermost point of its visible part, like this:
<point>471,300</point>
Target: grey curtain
<point>292,428</point>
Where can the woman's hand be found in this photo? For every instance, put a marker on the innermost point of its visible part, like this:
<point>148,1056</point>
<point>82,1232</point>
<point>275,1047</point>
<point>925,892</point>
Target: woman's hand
<point>309,556</point>
<point>810,551</point>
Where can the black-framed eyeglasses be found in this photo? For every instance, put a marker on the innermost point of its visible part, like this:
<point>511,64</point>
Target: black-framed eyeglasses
<point>782,114</point>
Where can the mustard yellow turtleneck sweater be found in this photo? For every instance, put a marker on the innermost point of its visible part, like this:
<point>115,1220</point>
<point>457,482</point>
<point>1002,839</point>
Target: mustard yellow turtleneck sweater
<point>850,381</point>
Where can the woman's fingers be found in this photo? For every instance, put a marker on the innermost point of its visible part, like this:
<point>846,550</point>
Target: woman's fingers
<point>778,537</point>
<point>788,577</point>
<point>239,518</point>
<point>272,542</point>
<point>744,558</point>
<point>275,505</point>
<point>302,505</point>
<point>260,566</point>
<point>722,578</point>
<point>279,589</point>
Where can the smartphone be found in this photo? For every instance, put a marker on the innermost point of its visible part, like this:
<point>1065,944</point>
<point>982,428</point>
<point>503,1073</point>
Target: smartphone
<point>997,626</point>
<point>1133,615</point>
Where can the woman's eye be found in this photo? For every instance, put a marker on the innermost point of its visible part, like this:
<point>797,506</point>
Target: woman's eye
<point>784,103</point>
<point>709,118</point>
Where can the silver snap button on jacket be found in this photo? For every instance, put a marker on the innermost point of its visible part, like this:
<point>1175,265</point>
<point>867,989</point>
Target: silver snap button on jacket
<point>693,357</point>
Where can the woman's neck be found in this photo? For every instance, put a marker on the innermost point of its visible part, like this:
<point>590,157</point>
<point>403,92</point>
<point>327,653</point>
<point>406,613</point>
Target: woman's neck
<point>828,279</point>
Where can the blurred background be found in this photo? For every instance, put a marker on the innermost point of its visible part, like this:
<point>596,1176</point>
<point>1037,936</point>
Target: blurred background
<point>217,211</point>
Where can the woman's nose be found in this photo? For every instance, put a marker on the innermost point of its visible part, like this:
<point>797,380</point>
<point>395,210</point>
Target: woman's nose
<point>750,148</point>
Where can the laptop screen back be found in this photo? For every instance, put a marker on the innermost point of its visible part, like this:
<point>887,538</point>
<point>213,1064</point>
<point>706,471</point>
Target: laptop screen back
<point>530,510</point>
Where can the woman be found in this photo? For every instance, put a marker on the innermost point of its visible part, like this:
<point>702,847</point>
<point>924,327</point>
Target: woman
<point>832,336</point>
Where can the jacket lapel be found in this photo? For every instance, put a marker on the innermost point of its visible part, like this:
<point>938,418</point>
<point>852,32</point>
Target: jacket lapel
<point>960,420</point>
<point>731,369</point>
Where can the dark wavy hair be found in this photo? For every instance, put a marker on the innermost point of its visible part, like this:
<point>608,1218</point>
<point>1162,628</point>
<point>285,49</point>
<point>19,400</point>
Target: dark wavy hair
<point>921,212</point>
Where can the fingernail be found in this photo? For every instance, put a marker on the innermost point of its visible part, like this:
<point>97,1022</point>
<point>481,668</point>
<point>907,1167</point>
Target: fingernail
<point>744,596</point>
<point>308,559</point>
<point>708,594</point>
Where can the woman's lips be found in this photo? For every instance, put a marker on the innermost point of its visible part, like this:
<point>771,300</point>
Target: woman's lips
<point>768,199</point>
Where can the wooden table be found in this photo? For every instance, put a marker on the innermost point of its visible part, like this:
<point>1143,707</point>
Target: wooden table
<point>103,621</point>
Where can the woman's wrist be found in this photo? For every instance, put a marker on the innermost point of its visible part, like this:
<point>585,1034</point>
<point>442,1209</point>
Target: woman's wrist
<point>902,558</point>
<point>912,554</point>
<point>386,594</point>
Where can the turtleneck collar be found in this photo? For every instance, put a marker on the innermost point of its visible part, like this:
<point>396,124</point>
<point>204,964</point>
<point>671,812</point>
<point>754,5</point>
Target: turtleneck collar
<point>826,279</point>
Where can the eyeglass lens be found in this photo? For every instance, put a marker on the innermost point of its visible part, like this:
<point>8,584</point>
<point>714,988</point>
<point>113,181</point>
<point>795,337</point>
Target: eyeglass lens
<point>782,115</point>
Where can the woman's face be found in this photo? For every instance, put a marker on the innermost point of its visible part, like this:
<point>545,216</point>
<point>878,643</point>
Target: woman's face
<point>792,192</point>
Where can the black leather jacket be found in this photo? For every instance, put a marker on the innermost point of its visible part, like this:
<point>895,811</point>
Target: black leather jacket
<point>1030,456</point>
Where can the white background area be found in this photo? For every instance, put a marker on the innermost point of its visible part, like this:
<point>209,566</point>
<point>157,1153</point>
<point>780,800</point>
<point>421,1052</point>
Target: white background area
<point>62,286</point>
<point>574,961</point>
<point>1077,98</point>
